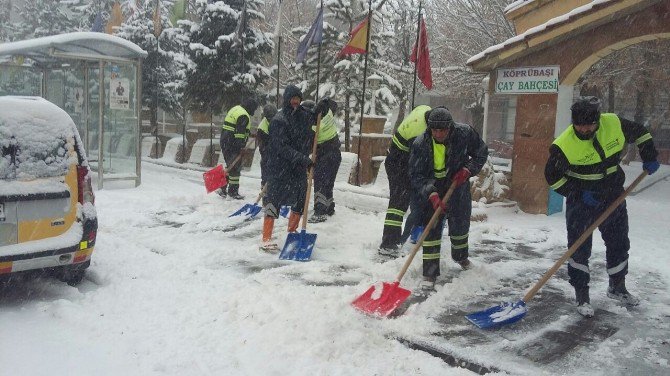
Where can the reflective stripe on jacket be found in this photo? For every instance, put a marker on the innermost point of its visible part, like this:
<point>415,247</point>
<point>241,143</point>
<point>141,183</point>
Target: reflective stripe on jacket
<point>410,128</point>
<point>264,125</point>
<point>575,165</point>
<point>230,122</point>
<point>328,129</point>
<point>590,159</point>
<point>439,160</point>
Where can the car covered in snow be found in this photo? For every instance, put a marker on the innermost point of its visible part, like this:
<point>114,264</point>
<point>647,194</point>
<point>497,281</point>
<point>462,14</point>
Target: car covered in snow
<point>48,221</point>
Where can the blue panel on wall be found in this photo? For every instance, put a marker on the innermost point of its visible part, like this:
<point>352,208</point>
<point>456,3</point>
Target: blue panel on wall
<point>555,203</point>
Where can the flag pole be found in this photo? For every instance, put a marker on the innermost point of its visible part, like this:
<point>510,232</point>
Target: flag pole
<point>318,59</point>
<point>416,53</point>
<point>243,27</point>
<point>278,35</point>
<point>365,73</point>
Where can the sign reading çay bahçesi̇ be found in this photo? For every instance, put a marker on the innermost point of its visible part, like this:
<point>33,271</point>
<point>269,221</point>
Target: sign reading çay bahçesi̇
<point>527,80</point>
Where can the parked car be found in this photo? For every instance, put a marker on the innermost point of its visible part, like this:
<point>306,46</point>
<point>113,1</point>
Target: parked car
<point>48,221</point>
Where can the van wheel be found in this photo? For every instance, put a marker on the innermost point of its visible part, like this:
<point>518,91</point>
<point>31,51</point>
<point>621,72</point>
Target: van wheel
<point>73,277</point>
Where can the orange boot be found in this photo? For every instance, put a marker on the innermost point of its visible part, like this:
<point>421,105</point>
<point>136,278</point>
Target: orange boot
<point>293,221</point>
<point>267,244</point>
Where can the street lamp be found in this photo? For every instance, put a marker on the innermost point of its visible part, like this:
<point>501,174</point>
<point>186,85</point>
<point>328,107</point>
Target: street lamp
<point>374,82</point>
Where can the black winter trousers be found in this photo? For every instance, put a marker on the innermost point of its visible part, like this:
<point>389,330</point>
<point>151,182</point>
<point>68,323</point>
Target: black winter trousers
<point>399,197</point>
<point>614,231</point>
<point>328,159</point>
<point>231,152</point>
<point>459,209</point>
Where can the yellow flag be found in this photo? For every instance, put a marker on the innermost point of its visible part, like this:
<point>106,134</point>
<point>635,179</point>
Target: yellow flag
<point>115,20</point>
<point>357,41</point>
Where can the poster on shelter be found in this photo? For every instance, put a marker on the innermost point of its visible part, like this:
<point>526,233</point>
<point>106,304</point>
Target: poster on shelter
<point>119,94</point>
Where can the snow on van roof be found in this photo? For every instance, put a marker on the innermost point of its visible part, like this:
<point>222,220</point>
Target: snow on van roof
<point>27,114</point>
<point>34,136</point>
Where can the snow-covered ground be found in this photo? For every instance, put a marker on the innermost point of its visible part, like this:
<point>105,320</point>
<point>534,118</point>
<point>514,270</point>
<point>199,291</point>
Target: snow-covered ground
<point>178,288</point>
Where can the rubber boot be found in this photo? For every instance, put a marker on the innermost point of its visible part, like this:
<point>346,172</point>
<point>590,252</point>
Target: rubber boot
<point>293,220</point>
<point>617,290</point>
<point>584,302</point>
<point>267,244</point>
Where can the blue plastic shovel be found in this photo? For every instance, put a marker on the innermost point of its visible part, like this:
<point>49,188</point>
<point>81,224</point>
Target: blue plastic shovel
<point>299,246</point>
<point>252,210</point>
<point>509,313</point>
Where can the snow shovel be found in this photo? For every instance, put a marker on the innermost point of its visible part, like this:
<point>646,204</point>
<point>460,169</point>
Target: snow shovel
<point>252,210</point>
<point>217,178</point>
<point>382,300</point>
<point>511,312</point>
<point>299,246</point>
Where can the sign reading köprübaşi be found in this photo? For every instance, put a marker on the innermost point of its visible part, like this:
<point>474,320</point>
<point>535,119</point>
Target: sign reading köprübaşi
<point>527,80</point>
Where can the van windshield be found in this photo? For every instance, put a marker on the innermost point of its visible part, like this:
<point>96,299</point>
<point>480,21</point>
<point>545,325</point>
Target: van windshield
<point>30,156</point>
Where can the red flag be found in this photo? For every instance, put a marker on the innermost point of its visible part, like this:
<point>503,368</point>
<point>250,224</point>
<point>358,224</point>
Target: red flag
<point>423,67</point>
<point>357,40</point>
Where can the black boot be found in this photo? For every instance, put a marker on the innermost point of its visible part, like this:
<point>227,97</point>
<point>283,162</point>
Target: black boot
<point>234,194</point>
<point>583,301</point>
<point>617,290</point>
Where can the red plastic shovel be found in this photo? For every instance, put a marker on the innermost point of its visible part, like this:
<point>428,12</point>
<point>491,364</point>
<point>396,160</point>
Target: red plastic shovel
<point>382,299</point>
<point>217,178</point>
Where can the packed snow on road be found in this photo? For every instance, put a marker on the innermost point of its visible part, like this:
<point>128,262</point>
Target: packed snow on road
<point>176,287</point>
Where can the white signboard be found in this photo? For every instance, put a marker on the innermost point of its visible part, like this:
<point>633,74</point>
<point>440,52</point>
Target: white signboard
<point>119,94</point>
<point>527,80</point>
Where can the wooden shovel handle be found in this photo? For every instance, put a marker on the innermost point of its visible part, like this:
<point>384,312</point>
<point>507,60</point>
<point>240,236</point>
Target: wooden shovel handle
<point>261,194</point>
<point>425,232</point>
<point>310,175</point>
<point>530,294</point>
<point>235,161</point>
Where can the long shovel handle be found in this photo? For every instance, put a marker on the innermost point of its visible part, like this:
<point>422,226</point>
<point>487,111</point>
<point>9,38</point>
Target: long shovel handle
<point>261,194</point>
<point>310,175</point>
<point>235,161</point>
<point>530,294</point>
<point>425,232</point>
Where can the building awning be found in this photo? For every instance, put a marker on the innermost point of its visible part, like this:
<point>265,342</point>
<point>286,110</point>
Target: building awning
<point>575,22</point>
<point>78,46</point>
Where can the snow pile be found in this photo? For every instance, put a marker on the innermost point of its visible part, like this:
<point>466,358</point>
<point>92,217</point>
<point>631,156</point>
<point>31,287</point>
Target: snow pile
<point>489,185</point>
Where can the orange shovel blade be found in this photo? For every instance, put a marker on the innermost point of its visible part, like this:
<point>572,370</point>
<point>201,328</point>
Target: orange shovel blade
<point>381,299</point>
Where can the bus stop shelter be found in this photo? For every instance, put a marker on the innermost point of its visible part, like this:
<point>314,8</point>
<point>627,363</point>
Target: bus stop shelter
<point>97,79</point>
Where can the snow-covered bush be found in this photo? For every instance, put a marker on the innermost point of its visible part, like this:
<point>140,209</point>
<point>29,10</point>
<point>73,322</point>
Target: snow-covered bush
<point>489,185</point>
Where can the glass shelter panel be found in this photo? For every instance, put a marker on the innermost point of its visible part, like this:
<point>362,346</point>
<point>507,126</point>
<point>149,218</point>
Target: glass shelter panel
<point>20,80</point>
<point>120,121</point>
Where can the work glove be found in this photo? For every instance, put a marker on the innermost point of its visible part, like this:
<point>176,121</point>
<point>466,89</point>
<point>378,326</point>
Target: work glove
<point>435,200</point>
<point>461,176</point>
<point>650,166</point>
<point>588,198</point>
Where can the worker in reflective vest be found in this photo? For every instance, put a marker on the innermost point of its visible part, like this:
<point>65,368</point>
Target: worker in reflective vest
<point>583,166</point>
<point>446,152</point>
<point>328,159</point>
<point>263,137</point>
<point>234,134</point>
<point>399,186</point>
